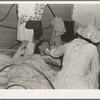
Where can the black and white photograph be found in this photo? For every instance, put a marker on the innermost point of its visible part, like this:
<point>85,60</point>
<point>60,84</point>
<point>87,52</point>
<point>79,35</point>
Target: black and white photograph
<point>49,46</point>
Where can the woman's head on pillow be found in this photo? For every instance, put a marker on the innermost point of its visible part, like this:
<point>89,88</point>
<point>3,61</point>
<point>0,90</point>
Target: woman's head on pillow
<point>41,46</point>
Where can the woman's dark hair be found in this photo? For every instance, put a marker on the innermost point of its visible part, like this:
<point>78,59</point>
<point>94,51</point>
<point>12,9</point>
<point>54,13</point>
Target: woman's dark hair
<point>37,51</point>
<point>77,35</point>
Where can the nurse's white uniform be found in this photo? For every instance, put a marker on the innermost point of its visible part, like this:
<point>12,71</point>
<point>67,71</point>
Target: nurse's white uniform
<point>80,66</point>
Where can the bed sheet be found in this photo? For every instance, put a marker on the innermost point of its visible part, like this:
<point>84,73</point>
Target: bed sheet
<point>9,52</point>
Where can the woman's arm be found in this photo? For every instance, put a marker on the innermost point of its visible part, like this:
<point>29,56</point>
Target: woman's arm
<point>95,68</point>
<point>57,52</point>
<point>20,51</point>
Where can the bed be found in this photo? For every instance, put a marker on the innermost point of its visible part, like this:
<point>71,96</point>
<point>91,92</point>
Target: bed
<point>9,52</point>
<point>35,73</point>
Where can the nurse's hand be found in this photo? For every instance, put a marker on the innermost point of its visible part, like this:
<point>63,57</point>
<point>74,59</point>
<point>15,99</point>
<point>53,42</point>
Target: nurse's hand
<point>48,51</point>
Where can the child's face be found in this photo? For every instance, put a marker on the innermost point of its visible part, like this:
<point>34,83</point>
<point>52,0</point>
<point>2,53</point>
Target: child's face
<point>43,46</point>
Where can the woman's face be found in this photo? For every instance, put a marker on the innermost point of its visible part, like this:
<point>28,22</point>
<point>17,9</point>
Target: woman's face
<point>43,46</point>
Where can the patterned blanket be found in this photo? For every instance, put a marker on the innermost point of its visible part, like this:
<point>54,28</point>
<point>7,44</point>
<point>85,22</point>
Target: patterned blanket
<point>32,74</point>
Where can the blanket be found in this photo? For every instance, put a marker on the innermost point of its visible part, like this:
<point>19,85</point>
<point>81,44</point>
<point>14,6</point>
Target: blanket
<point>35,73</point>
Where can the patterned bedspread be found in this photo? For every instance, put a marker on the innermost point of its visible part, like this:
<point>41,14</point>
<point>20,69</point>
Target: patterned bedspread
<point>32,74</point>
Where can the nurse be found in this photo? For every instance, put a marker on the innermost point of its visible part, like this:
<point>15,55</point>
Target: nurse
<point>80,65</point>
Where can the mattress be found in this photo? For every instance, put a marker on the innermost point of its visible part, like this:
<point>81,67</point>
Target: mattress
<point>9,52</point>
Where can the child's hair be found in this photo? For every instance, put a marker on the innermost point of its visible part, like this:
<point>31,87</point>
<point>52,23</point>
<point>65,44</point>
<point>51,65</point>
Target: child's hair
<point>37,51</point>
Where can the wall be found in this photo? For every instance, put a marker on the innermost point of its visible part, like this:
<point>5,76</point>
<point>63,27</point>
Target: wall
<point>61,10</point>
<point>8,36</point>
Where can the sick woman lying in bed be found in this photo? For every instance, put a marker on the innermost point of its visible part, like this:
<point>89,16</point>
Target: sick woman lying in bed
<point>35,71</point>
